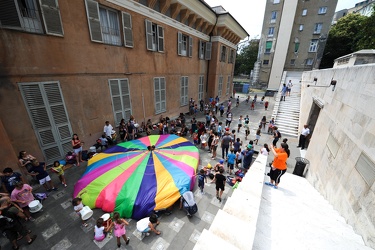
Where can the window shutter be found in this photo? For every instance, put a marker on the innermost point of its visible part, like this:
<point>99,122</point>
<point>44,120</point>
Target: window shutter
<point>157,95</point>
<point>200,43</point>
<point>179,47</point>
<point>207,55</point>
<point>51,17</point>
<point>148,34</point>
<point>116,100</point>
<point>190,46</point>
<point>162,94</point>
<point>229,56</point>
<point>186,89</point>
<point>9,15</point>
<point>92,11</point>
<point>126,103</point>
<point>128,33</point>
<point>182,89</point>
<point>160,38</point>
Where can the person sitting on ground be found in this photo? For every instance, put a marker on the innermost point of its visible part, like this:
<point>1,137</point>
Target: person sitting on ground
<point>102,142</point>
<point>100,231</point>
<point>9,179</point>
<point>23,196</point>
<point>148,224</point>
<point>11,209</point>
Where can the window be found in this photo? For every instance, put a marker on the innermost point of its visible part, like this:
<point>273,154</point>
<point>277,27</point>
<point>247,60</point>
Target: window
<point>45,105</point>
<point>25,15</point>
<point>110,26</point>
<point>309,61</point>
<point>220,86</point>
<point>276,1</point>
<point>228,86</point>
<point>322,10</point>
<point>185,45</point>
<point>296,47</point>
<point>313,45</point>
<point>184,81</point>
<point>268,47</point>
<point>271,31</point>
<point>266,62</point>
<point>104,25</point>
<point>304,12</point>
<point>223,53</point>
<point>204,50</point>
<point>300,27</point>
<point>318,28</point>
<point>273,16</point>
<point>231,57</point>
<point>293,62</point>
<point>200,88</point>
<point>120,95</point>
<point>154,36</point>
<point>160,96</point>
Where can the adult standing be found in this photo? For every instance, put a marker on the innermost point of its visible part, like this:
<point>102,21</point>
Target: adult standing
<point>108,131</point>
<point>221,108</point>
<point>77,148</point>
<point>225,143</point>
<point>229,105</point>
<point>289,86</point>
<point>302,138</point>
<point>283,93</point>
<point>247,157</point>
<point>276,135</point>
<point>122,130</point>
<point>228,119</point>
<point>25,160</point>
<point>278,167</point>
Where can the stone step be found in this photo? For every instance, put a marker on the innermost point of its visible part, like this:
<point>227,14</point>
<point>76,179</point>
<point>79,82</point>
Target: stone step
<point>209,240</point>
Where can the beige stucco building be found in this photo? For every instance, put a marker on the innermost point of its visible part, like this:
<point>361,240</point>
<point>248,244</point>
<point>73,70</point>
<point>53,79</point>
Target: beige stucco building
<point>293,37</point>
<point>68,66</point>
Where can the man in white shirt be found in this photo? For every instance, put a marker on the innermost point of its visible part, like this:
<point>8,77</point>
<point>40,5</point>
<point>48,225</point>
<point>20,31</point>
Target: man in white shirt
<point>108,130</point>
<point>289,86</point>
<point>302,138</point>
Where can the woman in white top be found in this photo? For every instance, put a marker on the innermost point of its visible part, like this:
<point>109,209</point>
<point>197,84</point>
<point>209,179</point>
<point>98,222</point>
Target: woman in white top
<point>265,150</point>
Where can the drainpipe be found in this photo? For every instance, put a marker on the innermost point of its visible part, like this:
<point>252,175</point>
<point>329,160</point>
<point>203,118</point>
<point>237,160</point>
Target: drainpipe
<point>208,63</point>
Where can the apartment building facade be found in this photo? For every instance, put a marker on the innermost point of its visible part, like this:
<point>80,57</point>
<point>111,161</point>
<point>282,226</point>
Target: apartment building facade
<point>293,36</point>
<point>68,66</point>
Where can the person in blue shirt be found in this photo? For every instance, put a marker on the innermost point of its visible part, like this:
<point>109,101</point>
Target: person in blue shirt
<point>39,171</point>
<point>247,157</point>
<point>231,159</point>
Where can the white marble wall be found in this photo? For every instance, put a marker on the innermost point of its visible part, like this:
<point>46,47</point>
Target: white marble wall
<point>349,116</point>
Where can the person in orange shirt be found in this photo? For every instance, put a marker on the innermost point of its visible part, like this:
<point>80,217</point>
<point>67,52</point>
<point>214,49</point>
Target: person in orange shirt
<point>279,166</point>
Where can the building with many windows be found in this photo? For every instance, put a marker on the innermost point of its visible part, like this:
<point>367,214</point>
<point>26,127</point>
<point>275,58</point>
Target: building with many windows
<point>293,37</point>
<point>68,66</point>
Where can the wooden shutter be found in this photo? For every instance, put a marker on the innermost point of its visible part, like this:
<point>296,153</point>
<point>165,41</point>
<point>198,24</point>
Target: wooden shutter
<point>9,16</point>
<point>51,17</point>
<point>120,94</point>
<point>163,98</point>
<point>160,38</point>
<point>92,11</point>
<point>47,112</point>
<point>179,45</point>
<point>128,32</point>
<point>157,95</point>
<point>190,46</point>
<point>125,97</point>
<point>207,55</point>
<point>148,34</point>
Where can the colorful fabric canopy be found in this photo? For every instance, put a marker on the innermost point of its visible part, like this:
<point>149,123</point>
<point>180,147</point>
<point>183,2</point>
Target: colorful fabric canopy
<point>134,179</point>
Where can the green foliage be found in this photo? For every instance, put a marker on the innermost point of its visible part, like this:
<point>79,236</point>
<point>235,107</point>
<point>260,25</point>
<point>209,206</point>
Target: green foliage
<point>351,33</point>
<point>246,57</point>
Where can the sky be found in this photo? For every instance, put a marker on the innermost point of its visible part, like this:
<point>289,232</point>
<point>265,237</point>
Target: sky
<point>249,13</point>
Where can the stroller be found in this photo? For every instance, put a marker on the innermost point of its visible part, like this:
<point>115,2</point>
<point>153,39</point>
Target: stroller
<point>189,204</point>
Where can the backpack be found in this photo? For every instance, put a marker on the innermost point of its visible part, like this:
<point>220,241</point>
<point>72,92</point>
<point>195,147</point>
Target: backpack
<point>278,134</point>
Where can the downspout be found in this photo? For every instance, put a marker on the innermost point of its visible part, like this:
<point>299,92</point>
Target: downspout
<point>208,63</point>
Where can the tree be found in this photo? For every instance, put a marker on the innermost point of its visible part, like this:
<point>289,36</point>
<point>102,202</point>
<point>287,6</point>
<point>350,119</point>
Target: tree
<point>343,38</point>
<point>246,57</point>
<point>367,33</point>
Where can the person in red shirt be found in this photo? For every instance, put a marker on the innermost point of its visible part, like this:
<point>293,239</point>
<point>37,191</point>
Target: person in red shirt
<point>279,166</point>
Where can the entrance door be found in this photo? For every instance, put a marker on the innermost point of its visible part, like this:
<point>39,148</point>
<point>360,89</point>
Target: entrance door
<point>313,118</point>
<point>46,108</point>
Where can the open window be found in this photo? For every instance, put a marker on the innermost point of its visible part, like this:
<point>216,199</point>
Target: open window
<point>154,36</point>
<point>185,45</point>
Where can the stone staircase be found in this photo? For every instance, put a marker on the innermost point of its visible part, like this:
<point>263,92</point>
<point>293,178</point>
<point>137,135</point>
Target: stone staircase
<point>286,113</point>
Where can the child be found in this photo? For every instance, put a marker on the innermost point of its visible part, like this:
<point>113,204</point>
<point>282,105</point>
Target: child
<point>59,169</point>
<point>215,143</point>
<point>39,170</point>
<point>201,179</point>
<point>239,124</point>
<point>265,150</point>
<point>203,140</point>
<point>266,105</point>
<point>195,137</point>
<point>100,232</point>
<point>252,105</point>
<point>70,158</point>
<point>231,159</point>
<point>77,206</point>
<point>119,228</point>
<point>220,129</point>
<point>247,128</point>
<point>238,157</point>
<point>257,135</point>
